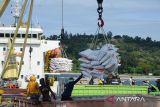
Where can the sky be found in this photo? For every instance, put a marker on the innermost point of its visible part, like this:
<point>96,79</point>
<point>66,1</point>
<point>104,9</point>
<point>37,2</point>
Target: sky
<point>122,17</point>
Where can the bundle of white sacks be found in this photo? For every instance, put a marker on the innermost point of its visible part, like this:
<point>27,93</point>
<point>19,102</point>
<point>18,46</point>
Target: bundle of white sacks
<point>97,63</point>
<point>60,64</point>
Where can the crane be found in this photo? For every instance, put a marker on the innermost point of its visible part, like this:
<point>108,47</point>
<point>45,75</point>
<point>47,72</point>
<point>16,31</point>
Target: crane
<point>3,6</point>
<point>11,70</point>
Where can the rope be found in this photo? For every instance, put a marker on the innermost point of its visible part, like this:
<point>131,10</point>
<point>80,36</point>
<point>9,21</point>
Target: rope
<point>64,55</point>
<point>62,15</point>
<point>100,26</point>
<point>105,36</point>
<point>30,48</point>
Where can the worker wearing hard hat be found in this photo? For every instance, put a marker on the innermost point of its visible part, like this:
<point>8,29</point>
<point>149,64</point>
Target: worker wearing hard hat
<point>33,89</point>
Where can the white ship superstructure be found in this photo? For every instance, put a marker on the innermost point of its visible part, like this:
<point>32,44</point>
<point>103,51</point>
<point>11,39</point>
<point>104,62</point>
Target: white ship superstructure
<point>32,63</point>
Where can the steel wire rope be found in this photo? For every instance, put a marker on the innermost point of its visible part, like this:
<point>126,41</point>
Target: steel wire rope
<point>100,24</point>
<point>64,55</point>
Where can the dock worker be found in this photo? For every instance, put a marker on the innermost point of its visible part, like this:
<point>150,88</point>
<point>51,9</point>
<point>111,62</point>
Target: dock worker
<point>158,83</point>
<point>68,88</point>
<point>45,90</point>
<point>33,89</point>
<point>132,82</point>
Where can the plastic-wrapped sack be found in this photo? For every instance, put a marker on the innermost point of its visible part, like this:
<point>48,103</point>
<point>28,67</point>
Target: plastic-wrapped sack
<point>84,60</point>
<point>86,65</point>
<point>113,68</point>
<point>110,65</point>
<point>85,53</point>
<point>94,63</point>
<point>60,64</point>
<point>106,57</point>
<point>107,61</point>
<point>97,74</point>
<point>101,54</point>
<point>99,67</point>
<point>89,54</point>
<point>100,62</point>
<point>86,74</point>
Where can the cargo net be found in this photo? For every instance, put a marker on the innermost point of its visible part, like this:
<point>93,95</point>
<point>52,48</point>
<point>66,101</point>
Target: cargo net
<point>99,62</point>
<point>101,58</point>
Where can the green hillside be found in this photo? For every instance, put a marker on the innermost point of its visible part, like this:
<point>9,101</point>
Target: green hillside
<point>138,55</point>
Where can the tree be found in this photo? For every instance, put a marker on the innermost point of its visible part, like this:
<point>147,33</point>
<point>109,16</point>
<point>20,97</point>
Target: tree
<point>138,55</point>
<point>117,37</point>
<point>109,34</point>
<point>148,39</point>
<point>137,39</point>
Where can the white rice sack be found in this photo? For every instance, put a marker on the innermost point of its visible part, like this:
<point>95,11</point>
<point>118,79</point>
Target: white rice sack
<point>107,61</point>
<point>106,57</point>
<point>114,53</point>
<point>95,63</point>
<point>99,70</point>
<point>112,68</point>
<point>69,64</point>
<point>99,67</point>
<point>115,49</point>
<point>86,74</point>
<point>86,65</point>
<point>106,47</point>
<point>93,55</point>
<point>89,54</point>
<point>83,69</point>
<point>96,74</point>
<point>85,60</point>
<point>61,60</point>
<point>69,61</point>
<point>85,53</point>
<point>92,73</point>
<point>109,65</point>
<point>101,55</point>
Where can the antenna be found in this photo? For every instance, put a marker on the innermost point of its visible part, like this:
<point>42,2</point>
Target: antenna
<point>16,11</point>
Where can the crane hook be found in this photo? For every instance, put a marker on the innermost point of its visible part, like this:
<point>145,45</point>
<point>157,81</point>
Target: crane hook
<point>100,1</point>
<point>100,22</point>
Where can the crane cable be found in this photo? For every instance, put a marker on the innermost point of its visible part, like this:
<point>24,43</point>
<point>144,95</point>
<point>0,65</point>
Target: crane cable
<point>100,26</point>
<point>64,55</point>
<point>30,48</point>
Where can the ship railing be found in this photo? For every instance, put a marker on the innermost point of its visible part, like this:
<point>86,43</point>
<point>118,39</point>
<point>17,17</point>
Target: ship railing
<point>32,26</point>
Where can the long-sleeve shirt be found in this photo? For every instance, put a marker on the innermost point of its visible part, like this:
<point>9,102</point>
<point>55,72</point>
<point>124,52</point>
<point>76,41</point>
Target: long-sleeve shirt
<point>69,87</point>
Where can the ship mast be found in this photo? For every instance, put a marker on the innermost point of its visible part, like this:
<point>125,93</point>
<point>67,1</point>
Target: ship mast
<point>16,11</point>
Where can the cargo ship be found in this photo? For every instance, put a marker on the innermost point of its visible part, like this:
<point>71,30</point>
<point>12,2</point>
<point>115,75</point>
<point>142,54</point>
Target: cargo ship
<point>34,63</point>
<point>35,51</point>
